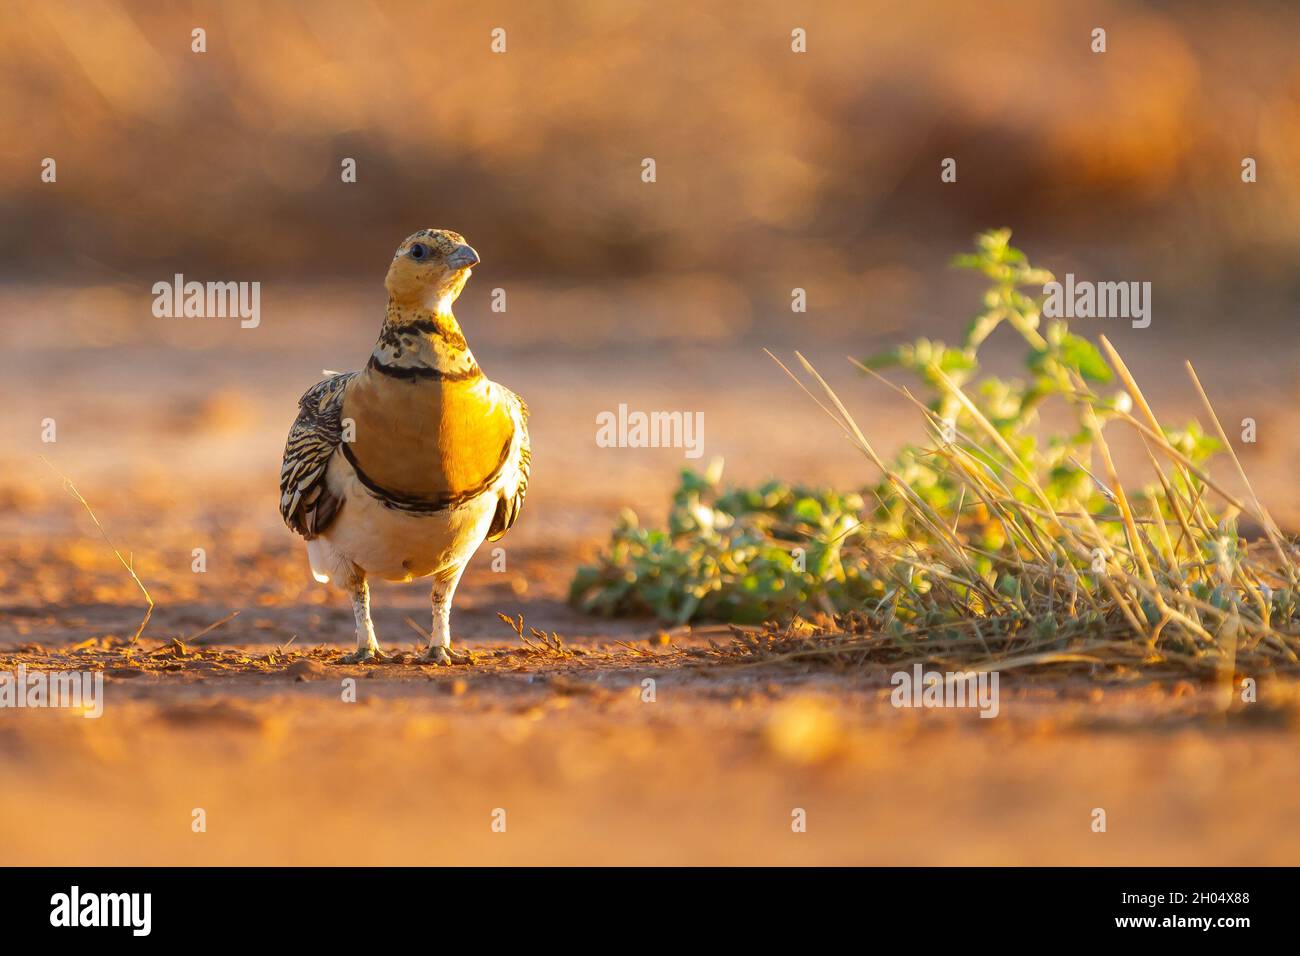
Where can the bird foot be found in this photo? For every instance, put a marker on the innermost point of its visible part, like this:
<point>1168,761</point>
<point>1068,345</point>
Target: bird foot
<point>363,654</point>
<point>438,654</point>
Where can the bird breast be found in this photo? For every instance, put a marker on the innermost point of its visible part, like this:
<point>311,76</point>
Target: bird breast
<point>427,438</point>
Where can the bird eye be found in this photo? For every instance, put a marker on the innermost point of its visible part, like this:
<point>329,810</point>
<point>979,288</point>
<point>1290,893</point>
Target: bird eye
<point>419,251</point>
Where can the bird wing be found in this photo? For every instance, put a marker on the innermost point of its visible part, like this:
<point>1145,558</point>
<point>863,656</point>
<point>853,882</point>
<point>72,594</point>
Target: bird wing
<point>306,503</point>
<point>511,501</point>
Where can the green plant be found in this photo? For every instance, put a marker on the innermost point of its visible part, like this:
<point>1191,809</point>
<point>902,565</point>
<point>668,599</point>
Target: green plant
<point>737,555</point>
<point>993,537</point>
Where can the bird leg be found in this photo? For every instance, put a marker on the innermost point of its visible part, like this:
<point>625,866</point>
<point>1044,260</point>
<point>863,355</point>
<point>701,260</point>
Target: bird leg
<point>444,586</point>
<point>367,645</point>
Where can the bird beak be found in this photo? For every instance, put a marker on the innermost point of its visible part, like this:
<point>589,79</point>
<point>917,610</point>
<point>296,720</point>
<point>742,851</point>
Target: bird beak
<point>463,257</point>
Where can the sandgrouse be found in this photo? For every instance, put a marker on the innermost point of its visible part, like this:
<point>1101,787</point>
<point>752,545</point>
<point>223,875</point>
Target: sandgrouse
<point>403,469</point>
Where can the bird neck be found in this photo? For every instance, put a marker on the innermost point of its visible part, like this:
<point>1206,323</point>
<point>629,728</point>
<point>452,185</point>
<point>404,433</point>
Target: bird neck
<point>429,426</point>
<point>419,342</point>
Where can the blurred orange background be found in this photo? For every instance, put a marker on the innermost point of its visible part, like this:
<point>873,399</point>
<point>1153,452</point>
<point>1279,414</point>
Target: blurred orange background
<point>769,162</point>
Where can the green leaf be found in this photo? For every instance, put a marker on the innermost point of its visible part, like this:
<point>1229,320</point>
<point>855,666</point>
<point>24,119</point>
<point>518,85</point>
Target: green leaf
<point>883,359</point>
<point>954,360</point>
<point>1082,355</point>
<point>807,509</point>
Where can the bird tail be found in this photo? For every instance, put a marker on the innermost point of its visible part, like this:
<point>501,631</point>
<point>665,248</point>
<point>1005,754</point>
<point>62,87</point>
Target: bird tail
<point>319,558</point>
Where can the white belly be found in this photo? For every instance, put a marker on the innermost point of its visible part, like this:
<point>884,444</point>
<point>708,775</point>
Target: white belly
<point>391,544</point>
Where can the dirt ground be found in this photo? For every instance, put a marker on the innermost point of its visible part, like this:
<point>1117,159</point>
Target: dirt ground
<point>174,440</point>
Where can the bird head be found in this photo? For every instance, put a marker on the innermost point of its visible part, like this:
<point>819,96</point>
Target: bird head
<point>430,268</point>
